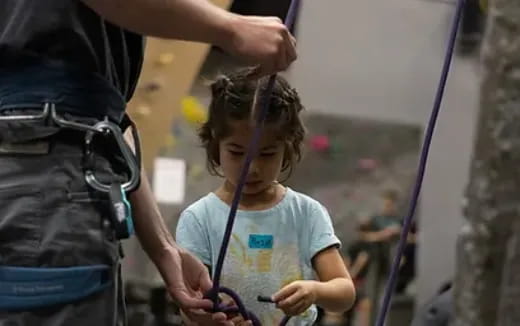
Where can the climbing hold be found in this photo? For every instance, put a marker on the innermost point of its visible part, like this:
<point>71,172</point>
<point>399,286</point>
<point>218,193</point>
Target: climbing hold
<point>165,59</point>
<point>367,164</point>
<point>320,143</point>
<point>196,171</point>
<point>152,86</point>
<point>143,110</point>
<point>193,111</point>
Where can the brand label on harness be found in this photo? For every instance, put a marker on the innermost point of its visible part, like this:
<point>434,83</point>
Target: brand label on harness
<point>120,211</point>
<point>37,289</point>
<point>260,241</point>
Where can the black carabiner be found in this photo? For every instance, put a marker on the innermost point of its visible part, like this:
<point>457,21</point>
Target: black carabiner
<point>108,128</point>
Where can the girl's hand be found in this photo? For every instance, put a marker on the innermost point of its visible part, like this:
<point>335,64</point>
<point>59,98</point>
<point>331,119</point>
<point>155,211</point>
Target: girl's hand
<point>295,298</point>
<point>200,317</point>
<point>235,318</point>
<point>239,321</point>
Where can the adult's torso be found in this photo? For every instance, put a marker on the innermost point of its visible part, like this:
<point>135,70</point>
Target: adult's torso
<point>67,32</point>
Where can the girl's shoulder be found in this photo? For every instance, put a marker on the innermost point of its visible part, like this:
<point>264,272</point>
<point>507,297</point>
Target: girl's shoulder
<point>302,202</point>
<point>203,206</point>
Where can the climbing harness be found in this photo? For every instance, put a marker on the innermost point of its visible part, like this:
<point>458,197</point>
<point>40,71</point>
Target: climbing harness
<point>265,99</point>
<point>23,288</point>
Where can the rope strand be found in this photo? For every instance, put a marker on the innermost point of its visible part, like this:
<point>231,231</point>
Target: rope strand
<point>390,285</point>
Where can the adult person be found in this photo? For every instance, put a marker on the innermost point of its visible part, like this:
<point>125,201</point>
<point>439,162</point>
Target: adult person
<point>67,70</point>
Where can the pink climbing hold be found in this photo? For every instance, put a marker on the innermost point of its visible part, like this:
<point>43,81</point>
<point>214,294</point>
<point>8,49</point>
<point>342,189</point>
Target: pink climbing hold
<point>367,164</point>
<point>320,143</point>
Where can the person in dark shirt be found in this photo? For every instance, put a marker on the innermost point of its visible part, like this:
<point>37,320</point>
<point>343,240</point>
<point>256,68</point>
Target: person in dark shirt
<point>357,258</point>
<point>383,230</point>
<point>358,263</point>
<point>67,70</point>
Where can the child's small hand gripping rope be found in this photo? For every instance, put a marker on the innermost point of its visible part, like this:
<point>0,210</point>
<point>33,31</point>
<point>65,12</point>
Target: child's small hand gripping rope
<point>265,99</point>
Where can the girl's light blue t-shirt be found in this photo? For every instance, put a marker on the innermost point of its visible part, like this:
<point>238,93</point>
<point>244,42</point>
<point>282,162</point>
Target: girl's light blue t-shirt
<point>268,249</point>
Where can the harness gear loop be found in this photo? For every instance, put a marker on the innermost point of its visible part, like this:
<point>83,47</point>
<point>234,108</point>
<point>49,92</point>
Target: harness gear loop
<point>27,117</point>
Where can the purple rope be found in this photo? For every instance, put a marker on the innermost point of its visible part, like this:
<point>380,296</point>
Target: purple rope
<point>390,285</point>
<point>264,105</point>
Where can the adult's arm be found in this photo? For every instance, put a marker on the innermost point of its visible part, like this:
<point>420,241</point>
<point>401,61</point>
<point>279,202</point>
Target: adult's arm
<point>262,41</point>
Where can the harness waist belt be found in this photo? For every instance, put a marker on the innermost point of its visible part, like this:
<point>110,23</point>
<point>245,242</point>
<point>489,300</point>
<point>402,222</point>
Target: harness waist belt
<point>78,92</point>
<point>23,288</point>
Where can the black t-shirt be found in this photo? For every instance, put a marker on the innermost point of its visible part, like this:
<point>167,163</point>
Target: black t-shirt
<point>67,31</point>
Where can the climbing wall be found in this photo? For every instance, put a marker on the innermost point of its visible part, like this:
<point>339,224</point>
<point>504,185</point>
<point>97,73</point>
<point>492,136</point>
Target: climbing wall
<point>487,282</point>
<point>349,162</point>
<point>169,69</point>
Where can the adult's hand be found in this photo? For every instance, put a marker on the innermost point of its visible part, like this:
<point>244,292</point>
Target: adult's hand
<point>188,280</point>
<point>262,41</point>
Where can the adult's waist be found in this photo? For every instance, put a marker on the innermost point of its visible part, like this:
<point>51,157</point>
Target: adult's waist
<point>72,90</point>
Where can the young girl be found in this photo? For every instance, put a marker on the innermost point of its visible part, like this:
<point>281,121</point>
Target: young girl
<point>282,240</point>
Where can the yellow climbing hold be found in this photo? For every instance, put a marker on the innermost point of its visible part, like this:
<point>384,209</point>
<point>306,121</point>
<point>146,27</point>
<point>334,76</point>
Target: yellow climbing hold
<point>165,58</point>
<point>196,171</point>
<point>143,110</point>
<point>193,111</point>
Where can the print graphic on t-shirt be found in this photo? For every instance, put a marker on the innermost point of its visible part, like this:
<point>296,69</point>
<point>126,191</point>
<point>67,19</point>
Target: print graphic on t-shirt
<point>257,262</point>
<point>261,241</point>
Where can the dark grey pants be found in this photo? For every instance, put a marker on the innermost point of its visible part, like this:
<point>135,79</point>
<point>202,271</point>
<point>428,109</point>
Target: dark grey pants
<point>49,217</point>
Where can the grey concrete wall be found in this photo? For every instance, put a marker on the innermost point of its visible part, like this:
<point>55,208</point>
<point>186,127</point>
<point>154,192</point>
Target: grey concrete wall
<point>382,60</point>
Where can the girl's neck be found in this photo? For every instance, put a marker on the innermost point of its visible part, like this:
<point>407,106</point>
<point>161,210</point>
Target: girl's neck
<point>265,199</point>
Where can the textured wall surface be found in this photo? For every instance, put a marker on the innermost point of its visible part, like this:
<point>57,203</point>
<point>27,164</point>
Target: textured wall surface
<point>487,282</point>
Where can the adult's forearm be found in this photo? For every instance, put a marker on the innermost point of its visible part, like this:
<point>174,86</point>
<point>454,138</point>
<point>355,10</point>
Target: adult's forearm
<point>192,20</point>
<point>149,225</point>
<point>152,232</point>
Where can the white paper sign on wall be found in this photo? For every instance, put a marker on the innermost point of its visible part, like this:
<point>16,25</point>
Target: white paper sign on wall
<point>169,181</point>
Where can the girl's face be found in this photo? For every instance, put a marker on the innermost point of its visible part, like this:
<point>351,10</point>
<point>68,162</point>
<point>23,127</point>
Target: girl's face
<point>266,165</point>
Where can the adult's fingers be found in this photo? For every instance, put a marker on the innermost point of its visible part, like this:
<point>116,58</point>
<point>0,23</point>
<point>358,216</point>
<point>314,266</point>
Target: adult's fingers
<point>292,54</point>
<point>186,301</point>
<point>205,281</point>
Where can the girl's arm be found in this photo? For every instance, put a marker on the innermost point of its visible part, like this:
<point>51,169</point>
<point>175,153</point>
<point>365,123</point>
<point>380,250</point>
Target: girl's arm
<point>333,292</point>
<point>335,289</point>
